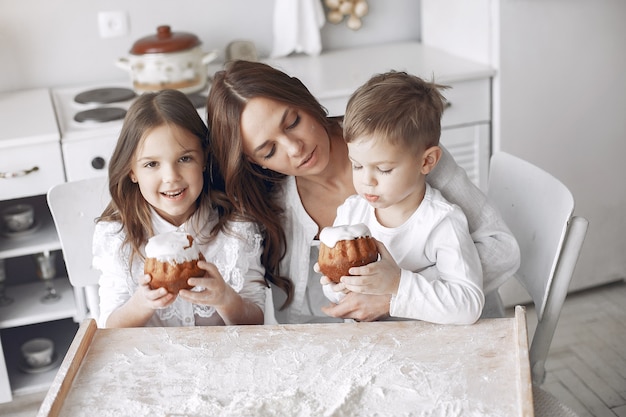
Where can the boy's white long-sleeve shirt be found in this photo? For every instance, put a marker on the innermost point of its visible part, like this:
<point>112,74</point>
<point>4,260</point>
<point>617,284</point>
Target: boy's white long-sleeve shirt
<point>498,249</point>
<point>441,274</point>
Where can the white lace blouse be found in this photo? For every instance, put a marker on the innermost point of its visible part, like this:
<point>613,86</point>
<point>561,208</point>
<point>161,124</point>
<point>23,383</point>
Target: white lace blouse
<point>236,254</point>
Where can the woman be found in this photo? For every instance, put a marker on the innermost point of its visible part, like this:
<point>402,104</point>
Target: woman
<point>285,165</point>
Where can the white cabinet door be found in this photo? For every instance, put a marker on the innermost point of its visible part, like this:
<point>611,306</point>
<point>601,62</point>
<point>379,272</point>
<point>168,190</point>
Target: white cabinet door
<point>470,147</point>
<point>5,387</point>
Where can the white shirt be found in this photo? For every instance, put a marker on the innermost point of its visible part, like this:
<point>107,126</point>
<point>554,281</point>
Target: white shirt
<point>236,255</point>
<point>441,276</point>
<point>497,248</point>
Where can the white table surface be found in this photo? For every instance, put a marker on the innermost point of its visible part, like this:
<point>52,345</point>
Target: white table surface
<point>382,368</point>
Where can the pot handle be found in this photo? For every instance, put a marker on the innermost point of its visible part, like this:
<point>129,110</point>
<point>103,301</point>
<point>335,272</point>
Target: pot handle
<point>123,63</point>
<point>209,56</point>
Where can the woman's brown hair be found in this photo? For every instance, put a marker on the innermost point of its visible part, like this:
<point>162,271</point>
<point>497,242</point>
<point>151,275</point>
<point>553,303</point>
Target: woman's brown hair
<point>127,206</point>
<point>252,189</point>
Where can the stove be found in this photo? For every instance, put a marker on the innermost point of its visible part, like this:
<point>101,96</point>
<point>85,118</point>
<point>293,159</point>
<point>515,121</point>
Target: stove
<point>90,120</point>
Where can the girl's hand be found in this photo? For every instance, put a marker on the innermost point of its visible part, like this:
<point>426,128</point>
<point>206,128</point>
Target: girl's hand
<point>148,298</point>
<point>380,277</point>
<point>213,289</point>
<point>140,307</point>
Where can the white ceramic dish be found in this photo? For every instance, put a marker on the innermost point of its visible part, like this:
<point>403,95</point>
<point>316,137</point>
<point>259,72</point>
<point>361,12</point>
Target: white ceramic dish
<point>18,217</point>
<point>15,235</point>
<point>24,367</point>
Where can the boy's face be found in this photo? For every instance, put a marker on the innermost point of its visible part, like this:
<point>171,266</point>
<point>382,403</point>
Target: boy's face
<point>387,175</point>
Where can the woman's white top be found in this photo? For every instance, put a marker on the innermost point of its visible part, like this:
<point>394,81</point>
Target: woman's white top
<point>236,255</point>
<point>497,248</point>
<point>441,277</point>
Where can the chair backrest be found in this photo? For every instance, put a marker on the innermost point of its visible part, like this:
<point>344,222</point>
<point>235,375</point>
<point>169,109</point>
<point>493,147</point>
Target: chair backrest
<point>74,207</point>
<point>538,209</point>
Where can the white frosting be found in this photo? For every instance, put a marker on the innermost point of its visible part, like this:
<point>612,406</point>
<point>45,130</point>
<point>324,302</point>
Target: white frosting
<point>172,247</point>
<point>329,236</point>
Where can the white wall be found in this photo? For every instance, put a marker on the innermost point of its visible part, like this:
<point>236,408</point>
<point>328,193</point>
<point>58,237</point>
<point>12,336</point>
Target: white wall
<point>49,43</point>
<point>563,107</point>
<point>559,101</point>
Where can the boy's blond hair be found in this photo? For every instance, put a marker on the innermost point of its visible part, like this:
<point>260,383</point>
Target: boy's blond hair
<point>397,107</point>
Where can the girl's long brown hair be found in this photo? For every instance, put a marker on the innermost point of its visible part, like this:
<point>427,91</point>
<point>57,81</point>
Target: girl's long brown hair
<point>252,189</point>
<point>127,205</point>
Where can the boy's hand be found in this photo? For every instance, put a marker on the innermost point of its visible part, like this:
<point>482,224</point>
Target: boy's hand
<point>324,280</point>
<point>380,277</point>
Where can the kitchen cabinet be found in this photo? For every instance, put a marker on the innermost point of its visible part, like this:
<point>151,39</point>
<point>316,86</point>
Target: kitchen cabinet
<point>30,162</point>
<point>466,124</point>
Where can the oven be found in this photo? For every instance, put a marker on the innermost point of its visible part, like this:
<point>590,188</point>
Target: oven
<point>90,119</point>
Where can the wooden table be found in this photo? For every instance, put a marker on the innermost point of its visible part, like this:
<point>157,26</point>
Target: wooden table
<point>384,368</point>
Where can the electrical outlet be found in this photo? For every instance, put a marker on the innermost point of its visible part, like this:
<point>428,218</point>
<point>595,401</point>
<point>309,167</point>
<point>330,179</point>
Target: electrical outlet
<point>112,24</point>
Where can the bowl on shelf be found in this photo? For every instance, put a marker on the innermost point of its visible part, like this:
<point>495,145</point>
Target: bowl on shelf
<point>18,217</point>
<point>38,352</point>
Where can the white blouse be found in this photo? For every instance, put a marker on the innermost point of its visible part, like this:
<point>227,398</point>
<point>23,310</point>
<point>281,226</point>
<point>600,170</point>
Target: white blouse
<point>236,254</point>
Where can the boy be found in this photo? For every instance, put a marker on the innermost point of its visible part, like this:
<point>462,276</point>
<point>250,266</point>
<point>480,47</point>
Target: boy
<point>429,265</point>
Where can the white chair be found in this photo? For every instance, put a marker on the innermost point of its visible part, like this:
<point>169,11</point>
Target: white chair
<point>74,207</point>
<point>538,209</point>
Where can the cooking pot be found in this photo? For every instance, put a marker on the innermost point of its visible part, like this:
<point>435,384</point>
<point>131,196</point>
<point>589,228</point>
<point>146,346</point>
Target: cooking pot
<point>168,60</point>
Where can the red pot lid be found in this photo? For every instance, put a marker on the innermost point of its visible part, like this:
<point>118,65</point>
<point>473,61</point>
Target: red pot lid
<point>165,41</point>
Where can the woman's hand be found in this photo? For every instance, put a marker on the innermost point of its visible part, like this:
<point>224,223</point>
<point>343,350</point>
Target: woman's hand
<point>379,278</point>
<point>360,307</point>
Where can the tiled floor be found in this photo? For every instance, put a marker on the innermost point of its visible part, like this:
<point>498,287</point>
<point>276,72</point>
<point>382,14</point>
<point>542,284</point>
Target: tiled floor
<point>586,366</point>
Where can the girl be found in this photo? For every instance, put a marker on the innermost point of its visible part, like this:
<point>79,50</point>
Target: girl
<point>157,184</point>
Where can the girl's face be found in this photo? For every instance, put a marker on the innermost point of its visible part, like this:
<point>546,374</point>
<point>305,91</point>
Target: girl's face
<point>168,166</point>
<point>283,139</point>
<point>387,175</point>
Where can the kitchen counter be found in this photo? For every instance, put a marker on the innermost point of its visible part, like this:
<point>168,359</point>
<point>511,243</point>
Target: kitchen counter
<point>30,156</point>
<point>338,73</point>
<point>26,118</point>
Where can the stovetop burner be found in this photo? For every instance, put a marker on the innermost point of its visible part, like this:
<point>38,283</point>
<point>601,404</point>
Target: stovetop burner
<point>100,115</point>
<point>105,95</point>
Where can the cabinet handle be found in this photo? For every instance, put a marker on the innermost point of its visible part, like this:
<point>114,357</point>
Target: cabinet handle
<point>7,175</point>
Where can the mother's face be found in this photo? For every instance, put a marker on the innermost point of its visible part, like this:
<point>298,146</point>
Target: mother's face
<point>283,138</point>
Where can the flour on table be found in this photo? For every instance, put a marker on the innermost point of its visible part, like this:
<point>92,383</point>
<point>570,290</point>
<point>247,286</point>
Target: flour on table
<point>371,374</point>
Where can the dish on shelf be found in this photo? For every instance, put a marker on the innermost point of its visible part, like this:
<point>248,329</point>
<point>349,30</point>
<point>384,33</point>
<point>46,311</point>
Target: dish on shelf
<point>25,367</point>
<point>23,233</point>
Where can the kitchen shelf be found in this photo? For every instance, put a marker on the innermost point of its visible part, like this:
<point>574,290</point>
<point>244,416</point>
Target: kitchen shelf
<point>27,307</point>
<point>43,239</point>
<point>62,332</point>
